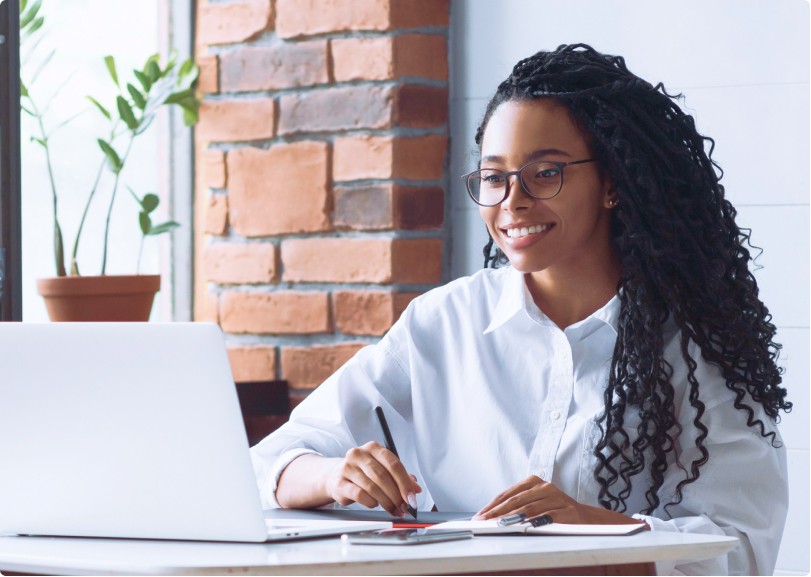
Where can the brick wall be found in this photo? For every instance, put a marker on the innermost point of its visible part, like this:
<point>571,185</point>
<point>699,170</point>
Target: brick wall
<point>320,175</point>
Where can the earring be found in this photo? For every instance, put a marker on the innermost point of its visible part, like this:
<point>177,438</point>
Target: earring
<point>613,202</point>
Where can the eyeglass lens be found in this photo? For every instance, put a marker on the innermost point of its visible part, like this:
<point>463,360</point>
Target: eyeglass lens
<point>540,179</point>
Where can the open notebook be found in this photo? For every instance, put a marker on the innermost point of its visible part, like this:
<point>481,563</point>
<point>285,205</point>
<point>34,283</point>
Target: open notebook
<point>491,527</point>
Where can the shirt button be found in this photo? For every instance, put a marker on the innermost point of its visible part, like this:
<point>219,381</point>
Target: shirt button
<point>542,475</point>
<point>555,415</point>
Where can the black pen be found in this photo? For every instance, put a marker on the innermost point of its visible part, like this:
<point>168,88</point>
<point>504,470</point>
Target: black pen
<point>540,521</point>
<point>391,447</point>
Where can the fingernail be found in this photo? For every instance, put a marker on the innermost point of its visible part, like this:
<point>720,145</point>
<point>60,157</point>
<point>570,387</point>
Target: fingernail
<point>412,500</point>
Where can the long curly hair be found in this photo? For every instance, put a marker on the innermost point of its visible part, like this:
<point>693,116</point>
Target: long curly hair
<point>683,258</point>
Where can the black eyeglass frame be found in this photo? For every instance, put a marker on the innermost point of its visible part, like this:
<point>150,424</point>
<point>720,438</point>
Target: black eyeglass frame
<point>507,175</point>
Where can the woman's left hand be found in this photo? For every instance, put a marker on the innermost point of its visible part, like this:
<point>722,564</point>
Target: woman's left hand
<point>535,497</point>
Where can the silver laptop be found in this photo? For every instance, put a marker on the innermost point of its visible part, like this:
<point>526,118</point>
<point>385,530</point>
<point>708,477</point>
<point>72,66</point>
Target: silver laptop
<point>129,430</point>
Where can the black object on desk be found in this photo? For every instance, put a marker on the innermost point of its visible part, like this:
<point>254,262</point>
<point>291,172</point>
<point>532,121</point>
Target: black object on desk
<point>391,446</point>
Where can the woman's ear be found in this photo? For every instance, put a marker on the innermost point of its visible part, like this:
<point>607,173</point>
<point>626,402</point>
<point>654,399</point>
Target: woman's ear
<point>611,197</point>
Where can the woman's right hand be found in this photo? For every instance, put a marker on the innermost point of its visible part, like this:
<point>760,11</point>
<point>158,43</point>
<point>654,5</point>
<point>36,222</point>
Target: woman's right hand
<point>372,475</point>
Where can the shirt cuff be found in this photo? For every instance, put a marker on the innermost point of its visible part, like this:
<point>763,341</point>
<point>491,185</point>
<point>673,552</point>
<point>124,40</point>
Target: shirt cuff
<point>275,472</point>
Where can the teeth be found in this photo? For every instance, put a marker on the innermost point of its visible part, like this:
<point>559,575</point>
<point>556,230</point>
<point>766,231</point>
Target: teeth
<point>524,230</point>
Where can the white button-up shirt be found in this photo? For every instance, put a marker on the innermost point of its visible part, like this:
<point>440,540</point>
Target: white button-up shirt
<point>481,390</point>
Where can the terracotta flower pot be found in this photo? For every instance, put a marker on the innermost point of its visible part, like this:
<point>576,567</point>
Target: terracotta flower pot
<point>99,298</point>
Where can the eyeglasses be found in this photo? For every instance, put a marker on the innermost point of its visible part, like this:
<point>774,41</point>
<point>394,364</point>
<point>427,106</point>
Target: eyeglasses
<point>539,179</point>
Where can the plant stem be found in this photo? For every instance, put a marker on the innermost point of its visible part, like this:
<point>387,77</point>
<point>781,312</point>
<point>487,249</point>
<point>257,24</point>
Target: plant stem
<point>140,252</point>
<point>112,202</point>
<point>59,251</point>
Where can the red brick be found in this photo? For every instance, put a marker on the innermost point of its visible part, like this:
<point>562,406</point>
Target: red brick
<point>274,67</point>
<point>364,312</point>
<point>250,364</point>
<point>208,80</point>
<point>420,106</point>
<point>243,263</point>
<point>306,368</point>
<point>412,158</point>
<point>213,165</point>
<point>419,158</point>
<point>280,190</point>
<point>387,206</point>
<point>216,219</point>
<point>309,17</point>
<point>364,207</point>
<point>361,157</point>
<point>353,260</point>
<point>211,313</point>
<point>417,13</point>
<point>236,120</point>
<point>337,260</point>
<point>416,261</point>
<point>225,23</point>
<point>279,312</point>
<point>362,58</point>
<point>420,55</point>
<point>336,109</point>
<point>417,208</point>
<point>401,300</point>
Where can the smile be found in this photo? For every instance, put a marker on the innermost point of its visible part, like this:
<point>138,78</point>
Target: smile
<point>522,231</point>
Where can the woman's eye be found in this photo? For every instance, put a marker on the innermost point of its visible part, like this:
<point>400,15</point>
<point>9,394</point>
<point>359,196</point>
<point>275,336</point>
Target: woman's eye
<point>550,172</point>
<point>492,177</point>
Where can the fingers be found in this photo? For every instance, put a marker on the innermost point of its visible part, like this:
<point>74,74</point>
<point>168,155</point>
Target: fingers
<point>372,475</point>
<point>509,501</point>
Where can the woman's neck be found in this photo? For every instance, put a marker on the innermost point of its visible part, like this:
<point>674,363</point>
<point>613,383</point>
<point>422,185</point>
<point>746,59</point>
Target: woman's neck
<point>570,294</point>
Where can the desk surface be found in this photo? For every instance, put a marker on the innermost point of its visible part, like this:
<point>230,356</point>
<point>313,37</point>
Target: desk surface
<point>329,556</point>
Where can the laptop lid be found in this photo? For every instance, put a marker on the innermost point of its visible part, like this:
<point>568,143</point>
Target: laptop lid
<point>123,430</point>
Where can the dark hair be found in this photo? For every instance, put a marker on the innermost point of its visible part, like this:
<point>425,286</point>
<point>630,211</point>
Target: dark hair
<point>683,258</point>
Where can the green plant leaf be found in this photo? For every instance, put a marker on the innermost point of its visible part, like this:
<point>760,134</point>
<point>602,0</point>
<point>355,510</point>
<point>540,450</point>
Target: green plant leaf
<point>40,141</point>
<point>35,25</point>
<point>113,160</point>
<point>26,17</point>
<point>163,227</point>
<point>146,83</point>
<point>126,114</point>
<point>186,67</point>
<point>109,61</point>
<point>190,117</point>
<point>145,222</point>
<point>23,89</point>
<point>23,4</point>
<point>181,95</point>
<point>103,110</point>
<point>153,70</point>
<point>137,97</point>
<point>150,202</point>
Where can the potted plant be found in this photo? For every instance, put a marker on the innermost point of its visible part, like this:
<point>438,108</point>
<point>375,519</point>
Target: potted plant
<point>71,296</point>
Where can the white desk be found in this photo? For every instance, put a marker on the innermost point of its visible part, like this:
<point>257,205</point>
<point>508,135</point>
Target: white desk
<point>329,556</point>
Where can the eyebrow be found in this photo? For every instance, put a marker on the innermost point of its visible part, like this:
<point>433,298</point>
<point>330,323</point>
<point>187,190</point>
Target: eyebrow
<point>534,155</point>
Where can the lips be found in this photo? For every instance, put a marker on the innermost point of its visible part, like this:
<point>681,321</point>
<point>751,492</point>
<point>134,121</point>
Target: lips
<point>523,235</point>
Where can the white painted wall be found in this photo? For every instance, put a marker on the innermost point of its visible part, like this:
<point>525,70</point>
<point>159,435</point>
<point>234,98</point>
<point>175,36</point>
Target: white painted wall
<point>743,66</point>
<point>83,32</point>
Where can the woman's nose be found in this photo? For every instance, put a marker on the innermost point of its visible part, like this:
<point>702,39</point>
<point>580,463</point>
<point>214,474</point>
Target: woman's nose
<point>517,197</point>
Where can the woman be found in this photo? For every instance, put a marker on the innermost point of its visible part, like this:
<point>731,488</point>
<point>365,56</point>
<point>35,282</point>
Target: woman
<point>620,368</point>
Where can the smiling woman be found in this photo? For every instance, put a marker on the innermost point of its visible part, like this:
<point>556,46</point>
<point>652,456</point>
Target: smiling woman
<point>621,368</point>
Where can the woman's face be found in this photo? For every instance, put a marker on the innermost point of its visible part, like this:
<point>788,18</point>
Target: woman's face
<point>570,229</point>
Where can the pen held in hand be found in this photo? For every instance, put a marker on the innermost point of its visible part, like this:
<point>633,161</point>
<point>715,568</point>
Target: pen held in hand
<point>540,521</point>
<point>381,418</point>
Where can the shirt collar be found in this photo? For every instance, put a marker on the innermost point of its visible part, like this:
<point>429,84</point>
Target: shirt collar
<point>515,297</point>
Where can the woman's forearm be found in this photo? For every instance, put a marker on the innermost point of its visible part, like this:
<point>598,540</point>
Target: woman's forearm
<point>303,483</point>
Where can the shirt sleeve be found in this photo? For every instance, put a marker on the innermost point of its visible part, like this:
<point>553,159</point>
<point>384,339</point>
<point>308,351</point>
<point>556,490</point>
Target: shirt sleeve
<point>742,490</point>
<point>339,415</point>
